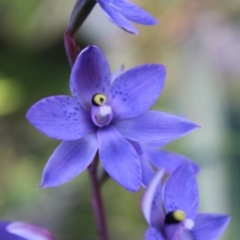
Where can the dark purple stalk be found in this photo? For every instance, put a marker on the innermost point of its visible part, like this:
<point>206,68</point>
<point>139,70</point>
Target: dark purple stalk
<point>79,14</point>
<point>96,199</point>
<point>70,47</point>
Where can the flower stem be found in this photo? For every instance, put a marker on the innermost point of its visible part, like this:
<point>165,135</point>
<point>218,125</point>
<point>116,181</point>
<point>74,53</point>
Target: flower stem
<point>96,200</point>
<point>79,14</point>
<point>70,47</point>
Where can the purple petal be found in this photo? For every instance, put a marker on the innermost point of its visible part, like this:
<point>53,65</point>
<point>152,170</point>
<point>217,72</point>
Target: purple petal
<point>5,235</point>
<point>181,191</point>
<point>117,73</point>
<point>116,17</point>
<point>90,75</point>
<point>147,172</point>
<point>119,158</point>
<point>174,231</point>
<point>28,232</point>
<point>60,117</point>
<point>187,235</point>
<point>153,234</point>
<point>210,226</point>
<point>134,13</point>
<point>169,161</point>
<point>135,91</point>
<point>155,127</point>
<point>151,203</point>
<point>69,159</point>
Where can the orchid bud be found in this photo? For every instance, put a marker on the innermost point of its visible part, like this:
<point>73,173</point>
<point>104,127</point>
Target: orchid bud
<point>79,13</point>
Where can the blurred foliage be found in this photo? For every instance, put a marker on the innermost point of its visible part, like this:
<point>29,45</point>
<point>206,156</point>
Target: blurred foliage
<point>199,41</point>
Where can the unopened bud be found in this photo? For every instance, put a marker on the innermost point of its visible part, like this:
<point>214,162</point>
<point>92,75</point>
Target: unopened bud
<point>79,13</point>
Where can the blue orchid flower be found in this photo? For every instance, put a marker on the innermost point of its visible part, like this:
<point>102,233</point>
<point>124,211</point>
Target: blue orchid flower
<point>120,12</point>
<point>171,210</point>
<point>104,116</point>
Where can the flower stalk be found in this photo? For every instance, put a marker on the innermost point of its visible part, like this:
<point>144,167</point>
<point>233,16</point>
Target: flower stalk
<point>79,13</point>
<point>96,200</point>
<point>70,47</point>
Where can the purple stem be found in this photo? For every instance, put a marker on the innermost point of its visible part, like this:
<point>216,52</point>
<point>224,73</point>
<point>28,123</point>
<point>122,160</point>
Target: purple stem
<point>70,46</point>
<point>96,199</point>
<point>80,12</point>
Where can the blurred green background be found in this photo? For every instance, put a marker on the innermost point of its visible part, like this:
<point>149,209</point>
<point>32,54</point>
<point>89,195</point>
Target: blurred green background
<point>198,41</point>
